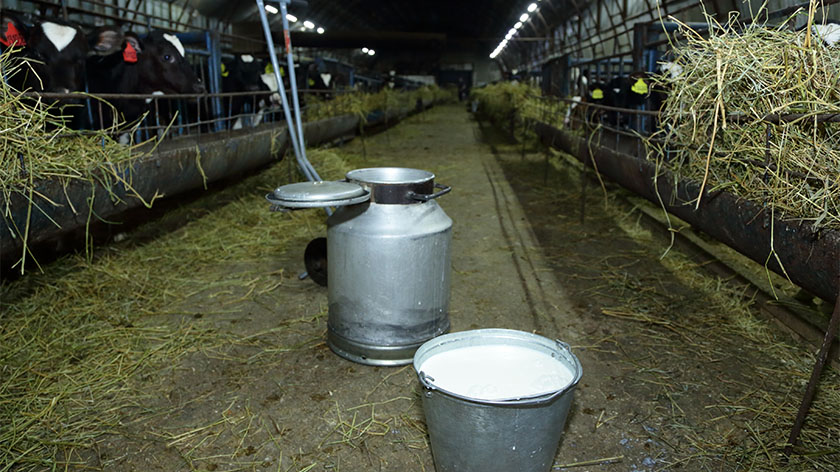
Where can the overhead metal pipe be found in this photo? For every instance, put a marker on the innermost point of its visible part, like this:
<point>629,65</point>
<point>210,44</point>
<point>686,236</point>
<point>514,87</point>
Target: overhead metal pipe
<point>281,90</point>
<point>293,85</point>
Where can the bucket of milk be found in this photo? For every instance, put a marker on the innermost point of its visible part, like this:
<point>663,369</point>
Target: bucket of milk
<point>496,399</point>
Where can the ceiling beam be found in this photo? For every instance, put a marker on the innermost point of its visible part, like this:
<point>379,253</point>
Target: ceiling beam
<point>372,39</point>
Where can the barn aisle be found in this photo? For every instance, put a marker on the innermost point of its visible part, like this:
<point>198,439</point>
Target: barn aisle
<point>193,345</point>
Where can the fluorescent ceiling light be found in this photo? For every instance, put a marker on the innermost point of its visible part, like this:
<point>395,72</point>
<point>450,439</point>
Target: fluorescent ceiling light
<point>371,52</point>
<point>523,18</point>
<point>291,18</point>
<point>320,30</point>
<point>308,24</point>
<point>532,7</point>
<point>271,9</point>
<point>365,50</point>
<point>517,25</point>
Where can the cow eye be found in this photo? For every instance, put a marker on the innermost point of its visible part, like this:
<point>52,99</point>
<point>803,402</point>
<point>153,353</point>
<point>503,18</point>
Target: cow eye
<point>168,58</point>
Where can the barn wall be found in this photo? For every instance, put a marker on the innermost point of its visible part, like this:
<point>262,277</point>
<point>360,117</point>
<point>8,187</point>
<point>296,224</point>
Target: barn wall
<point>605,28</point>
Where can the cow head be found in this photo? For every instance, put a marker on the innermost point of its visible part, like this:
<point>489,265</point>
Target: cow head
<point>60,49</point>
<point>244,73</point>
<point>105,41</point>
<point>163,66</point>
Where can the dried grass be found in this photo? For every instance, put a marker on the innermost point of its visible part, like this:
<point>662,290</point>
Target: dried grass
<point>715,127</point>
<point>35,145</point>
<point>76,343</point>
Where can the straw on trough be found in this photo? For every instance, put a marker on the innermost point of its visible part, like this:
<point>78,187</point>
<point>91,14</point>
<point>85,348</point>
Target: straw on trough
<point>720,123</point>
<point>362,104</point>
<point>35,145</point>
<point>518,105</point>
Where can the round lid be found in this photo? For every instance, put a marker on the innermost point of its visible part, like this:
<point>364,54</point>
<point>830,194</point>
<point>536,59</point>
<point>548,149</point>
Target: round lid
<point>390,175</point>
<point>318,194</point>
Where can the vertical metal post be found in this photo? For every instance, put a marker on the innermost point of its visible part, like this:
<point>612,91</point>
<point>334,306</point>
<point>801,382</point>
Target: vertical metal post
<point>293,84</point>
<point>211,41</point>
<point>830,333</point>
<point>281,90</point>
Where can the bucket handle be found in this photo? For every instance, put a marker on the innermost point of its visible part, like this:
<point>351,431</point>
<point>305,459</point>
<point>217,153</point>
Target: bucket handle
<point>426,197</point>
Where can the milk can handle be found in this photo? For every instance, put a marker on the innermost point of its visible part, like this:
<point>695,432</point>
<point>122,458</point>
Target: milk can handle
<point>425,198</point>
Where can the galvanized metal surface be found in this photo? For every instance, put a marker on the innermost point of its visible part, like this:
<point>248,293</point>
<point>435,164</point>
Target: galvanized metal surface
<point>394,185</point>
<point>808,256</point>
<point>473,435</point>
<point>388,280</point>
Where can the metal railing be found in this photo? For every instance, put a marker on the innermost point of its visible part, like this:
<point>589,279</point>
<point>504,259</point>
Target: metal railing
<point>173,115</point>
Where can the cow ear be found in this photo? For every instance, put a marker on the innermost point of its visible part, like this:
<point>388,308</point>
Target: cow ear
<point>132,39</point>
<point>106,41</point>
<point>13,30</point>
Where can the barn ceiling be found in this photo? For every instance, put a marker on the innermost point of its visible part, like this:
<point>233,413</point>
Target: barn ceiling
<point>403,24</point>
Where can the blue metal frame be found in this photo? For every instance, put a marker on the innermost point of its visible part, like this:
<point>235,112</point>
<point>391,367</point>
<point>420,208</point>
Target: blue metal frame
<point>212,50</point>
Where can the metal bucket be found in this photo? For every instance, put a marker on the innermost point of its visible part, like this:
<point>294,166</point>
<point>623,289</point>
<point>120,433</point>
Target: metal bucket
<point>496,400</point>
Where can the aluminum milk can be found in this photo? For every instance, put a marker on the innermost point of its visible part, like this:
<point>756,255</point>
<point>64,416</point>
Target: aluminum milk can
<point>388,264</point>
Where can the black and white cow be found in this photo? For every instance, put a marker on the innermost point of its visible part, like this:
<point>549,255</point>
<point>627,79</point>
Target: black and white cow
<point>48,56</point>
<point>125,63</point>
<point>56,49</point>
<point>246,73</point>
<point>633,92</point>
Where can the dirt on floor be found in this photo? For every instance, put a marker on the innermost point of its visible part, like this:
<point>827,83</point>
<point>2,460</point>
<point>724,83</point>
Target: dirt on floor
<point>678,373</point>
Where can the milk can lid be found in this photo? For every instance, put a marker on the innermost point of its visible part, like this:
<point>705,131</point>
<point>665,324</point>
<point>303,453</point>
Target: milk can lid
<point>318,194</point>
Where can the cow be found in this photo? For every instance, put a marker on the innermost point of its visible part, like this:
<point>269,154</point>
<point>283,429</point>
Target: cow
<point>47,56</point>
<point>632,92</point>
<point>245,73</point>
<point>126,63</point>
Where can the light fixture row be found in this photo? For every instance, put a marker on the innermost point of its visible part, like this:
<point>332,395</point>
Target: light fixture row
<point>293,19</point>
<point>367,51</point>
<point>523,18</point>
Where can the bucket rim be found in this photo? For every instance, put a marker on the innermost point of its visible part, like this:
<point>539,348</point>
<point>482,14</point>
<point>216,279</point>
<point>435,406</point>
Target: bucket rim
<point>390,175</point>
<point>500,333</point>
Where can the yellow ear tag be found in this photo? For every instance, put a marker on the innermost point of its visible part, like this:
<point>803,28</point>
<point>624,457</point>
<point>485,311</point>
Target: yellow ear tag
<point>225,72</point>
<point>269,69</point>
<point>640,87</point>
<point>282,72</point>
<point>311,82</point>
<point>598,94</point>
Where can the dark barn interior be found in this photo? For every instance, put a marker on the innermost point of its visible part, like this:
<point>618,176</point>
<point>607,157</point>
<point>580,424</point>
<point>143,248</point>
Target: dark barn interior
<point>483,236</point>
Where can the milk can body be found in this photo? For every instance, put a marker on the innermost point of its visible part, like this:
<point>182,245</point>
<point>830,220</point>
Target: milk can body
<point>388,279</point>
<point>389,260</point>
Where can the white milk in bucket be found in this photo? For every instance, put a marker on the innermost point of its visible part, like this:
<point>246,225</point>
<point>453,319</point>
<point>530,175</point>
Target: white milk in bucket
<point>496,372</point>
<point>496,400</point>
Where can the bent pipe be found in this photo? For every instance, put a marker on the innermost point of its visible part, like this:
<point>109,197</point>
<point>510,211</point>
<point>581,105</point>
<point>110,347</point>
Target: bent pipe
<point>175,167</point>
<point>809,257</point>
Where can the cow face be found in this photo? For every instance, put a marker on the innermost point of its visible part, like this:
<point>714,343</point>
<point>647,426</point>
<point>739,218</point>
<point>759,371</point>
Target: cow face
<point>163,67</point>
<point>60,50</point>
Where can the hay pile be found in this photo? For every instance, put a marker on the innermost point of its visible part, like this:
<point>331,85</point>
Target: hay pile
<point>362,104</point>
<point>518,103</point>
<point>35,145</point>
<point>716,119</point>
<point>79,342</point>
